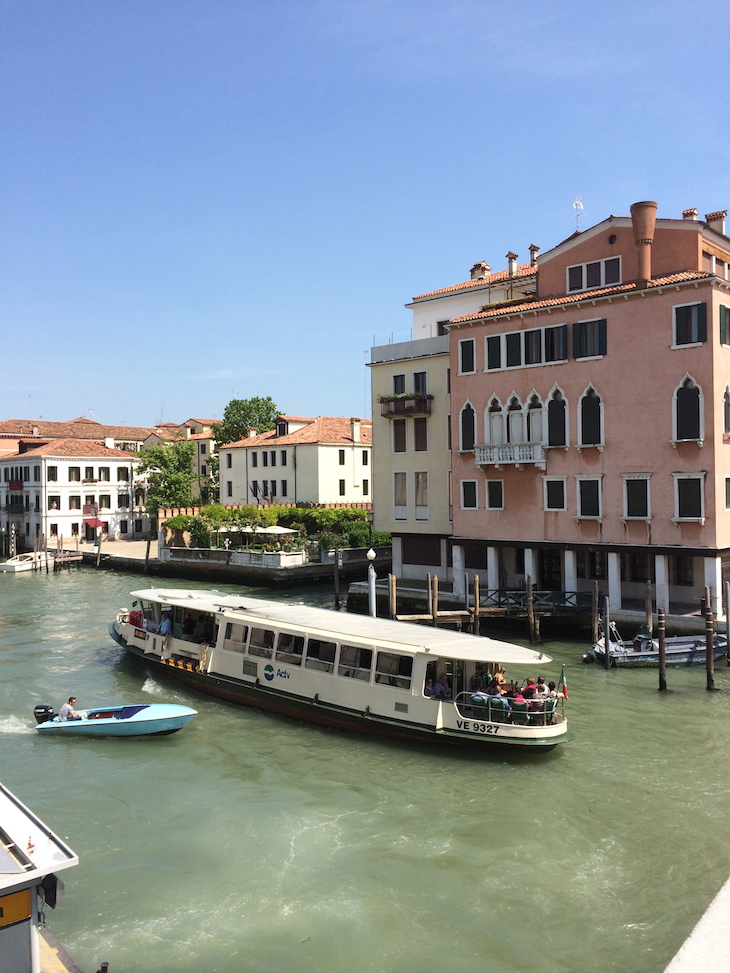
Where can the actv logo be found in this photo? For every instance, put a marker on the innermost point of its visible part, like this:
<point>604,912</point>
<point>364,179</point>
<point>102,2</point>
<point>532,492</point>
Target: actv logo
<point>268,673</point>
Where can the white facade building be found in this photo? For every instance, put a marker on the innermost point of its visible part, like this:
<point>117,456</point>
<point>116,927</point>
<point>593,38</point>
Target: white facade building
<point>70,488</point>
<point>318,460</point>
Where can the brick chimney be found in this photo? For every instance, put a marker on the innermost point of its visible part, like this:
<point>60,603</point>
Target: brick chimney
<point>643,219</point>
<point>717,220</point>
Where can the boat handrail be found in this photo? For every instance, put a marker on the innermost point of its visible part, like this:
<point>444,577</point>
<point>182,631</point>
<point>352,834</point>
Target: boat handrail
<point>535,715</point>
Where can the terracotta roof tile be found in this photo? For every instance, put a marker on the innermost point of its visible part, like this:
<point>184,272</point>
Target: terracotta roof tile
<point>80,448</point>
<point>80,428</point>
<point>326,430</point>
<point>500,277</point>
<point>568,299</point>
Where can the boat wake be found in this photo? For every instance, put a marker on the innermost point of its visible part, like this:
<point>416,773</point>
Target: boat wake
<point>14,725</point>
<point>152,687</point>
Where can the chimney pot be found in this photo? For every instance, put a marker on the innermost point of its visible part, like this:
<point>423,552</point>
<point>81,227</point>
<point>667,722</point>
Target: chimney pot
<point>643,219</point>
<point>511,263</point>
<point>690,214</point>
<point>355,424</point>
<point>717,220</point>
<point>480,270</point>
<point>534,250</point>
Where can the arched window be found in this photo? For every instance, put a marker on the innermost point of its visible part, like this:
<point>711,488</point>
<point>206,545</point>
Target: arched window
<point>534,420</point>
<point>557,420</point>
<point>688,411</point>
<point>726,413</point>
<point>515,421</point>
<point>591,425</point>
<point>494,423</point>
<point>467,426</point>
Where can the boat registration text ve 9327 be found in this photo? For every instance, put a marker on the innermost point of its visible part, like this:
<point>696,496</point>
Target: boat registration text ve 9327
<point>477,727</point>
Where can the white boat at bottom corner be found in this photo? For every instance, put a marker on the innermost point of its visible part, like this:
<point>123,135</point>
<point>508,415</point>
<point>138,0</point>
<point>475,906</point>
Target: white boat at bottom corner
<point>335,669</point>
<point>137,719</point>
<point>643,650</point>
<point>31,561</point>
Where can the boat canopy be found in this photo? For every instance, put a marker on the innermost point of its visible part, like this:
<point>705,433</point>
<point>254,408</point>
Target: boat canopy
<point>383,632</point>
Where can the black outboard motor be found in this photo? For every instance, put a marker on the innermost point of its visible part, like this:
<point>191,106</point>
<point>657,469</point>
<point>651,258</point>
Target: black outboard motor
<point>43,713</point>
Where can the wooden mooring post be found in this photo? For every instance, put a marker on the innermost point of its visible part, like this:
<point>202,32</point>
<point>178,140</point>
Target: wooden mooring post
<point>530,607</point>
<point>662,635</point>
<point>726,587</point>
<point>475,615</point>
<point>595,614</point>
<point>392,596</point>
<point>709,641</point>
<point>649,611</point>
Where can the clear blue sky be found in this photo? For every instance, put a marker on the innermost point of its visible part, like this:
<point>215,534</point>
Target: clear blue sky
<point>208,199</point>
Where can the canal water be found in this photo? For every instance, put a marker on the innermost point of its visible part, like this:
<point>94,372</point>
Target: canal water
<point>251,843</point>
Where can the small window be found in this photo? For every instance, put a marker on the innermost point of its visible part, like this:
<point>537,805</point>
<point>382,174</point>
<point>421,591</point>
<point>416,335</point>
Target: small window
<point>54,503</point>
<point>254,459</point>
<point>229,461</point>
<point>394,670</point>
<point>555,493</point>
<point>355,662</point>
<point>399,435</point>
<point>468,428</point>
<point>589,338</point>
<point>689,496</point>
<point>52,474</point>
<point>229,488</point>
<point>290,648</point>
<point>399,493</point>
<point>421,489</point>
<point>105,501</point>
<point>420,383</point>
<point>724,325</point>
<point>122,501</point>
<point>74,503</point>
<point>365,457</point>
<point>365,488</point>
<point>203,470</point>
<point>420,435</point>
<point>591,426</point>
<point>727,493</point>
<point>264,458</point>
<point>261,642</point>
<point>494,352</point>
<point>341,455</point>
<point>399,384</point>
<point>495,494</point>
<point>89,473</point>
<point>466,356</point>
<point>556,343</point>
<point>636,497</point>
<point>284,488</point>
<point>342,488</point>
<point>122,474</point>
<point>469,494</point>
<point>282,457</point>
<point>690,324</point>
<point>320,655</point>
<point>202,449</point>
<point>104,473</point>
<point>36,474</point>
<point>236,637</point>
<point>688,412</point>
<point>123,526</point>
<point>272,457</point>
<point>589,497</point>
<point>513,346</point>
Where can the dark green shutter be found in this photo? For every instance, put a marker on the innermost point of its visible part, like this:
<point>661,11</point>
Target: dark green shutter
<point>723,325</point>
<point>577,335</point>
<point>702,322</point>
<point>602,336</point>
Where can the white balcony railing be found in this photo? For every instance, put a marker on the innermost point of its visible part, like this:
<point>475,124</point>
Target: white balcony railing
<point>510,454</point>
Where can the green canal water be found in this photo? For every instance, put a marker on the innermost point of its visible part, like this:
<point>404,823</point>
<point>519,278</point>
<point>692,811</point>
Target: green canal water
<point>251,843</point>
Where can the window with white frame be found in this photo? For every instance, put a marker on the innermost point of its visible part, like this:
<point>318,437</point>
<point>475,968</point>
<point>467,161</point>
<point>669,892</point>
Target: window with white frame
<point>554,497</point>
<point>494,423</point>
<point>557,419</point>
<point>400,496</point>
<point>399,384</point>
<point>588,497</point>
<point>515,421</point>
<point>420,434</point>
<point>724,325</point>
<point>399,435</point>
<point>590,422</point>
<point>636,496</point>
<point>420,480</point>
<point>520,349</point>
<point>420,383</point>
<point>597,273</point>
<point>534,419</point>
<point>727,493</point>
<point>469,494</point>
<point>688,420</point>
<point>495,494</point>
<point>467,426</point>
<point>589,339</point>
<point>726,412</point>
<point>467,362</point>
<point>689,496</point>
<point>690,324</point>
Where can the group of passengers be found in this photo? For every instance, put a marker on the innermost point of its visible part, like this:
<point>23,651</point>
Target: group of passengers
<point>504,699</point>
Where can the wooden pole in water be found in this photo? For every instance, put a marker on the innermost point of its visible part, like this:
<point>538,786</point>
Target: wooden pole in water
<point>336,575</point>
<point>392,596</point>
<point>649,613</point>
<point>530,608</point>
<point>709,641</point>
<point>429,589</point>
<point>476,605</point>
<point>98,551</point>
<point>662,633</point>
<point>726,586</point>
<point>607,631</point>
<point>147,555</point>
<point>435,598</point>
<point>594,613</point>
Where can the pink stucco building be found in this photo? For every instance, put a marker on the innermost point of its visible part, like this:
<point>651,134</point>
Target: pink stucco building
<point>590,417</point>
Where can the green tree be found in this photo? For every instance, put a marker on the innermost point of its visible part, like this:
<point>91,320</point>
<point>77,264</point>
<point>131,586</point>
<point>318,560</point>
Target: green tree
<point>170,474</point>
<point>242,415</point>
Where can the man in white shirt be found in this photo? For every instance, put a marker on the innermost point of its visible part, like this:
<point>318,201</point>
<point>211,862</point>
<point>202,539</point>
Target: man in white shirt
<point>68,712</point>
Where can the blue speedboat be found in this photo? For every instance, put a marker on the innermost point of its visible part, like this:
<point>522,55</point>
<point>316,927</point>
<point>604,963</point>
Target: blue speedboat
<point>143,719</point>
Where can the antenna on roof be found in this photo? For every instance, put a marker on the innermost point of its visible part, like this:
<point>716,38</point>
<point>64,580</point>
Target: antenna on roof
<point>578,207</point>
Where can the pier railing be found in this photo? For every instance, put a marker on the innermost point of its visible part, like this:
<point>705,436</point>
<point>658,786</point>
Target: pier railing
<point>516,600</point>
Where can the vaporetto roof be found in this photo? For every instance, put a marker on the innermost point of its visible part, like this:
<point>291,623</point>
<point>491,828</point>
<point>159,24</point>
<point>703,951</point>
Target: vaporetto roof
<point>384,632</point>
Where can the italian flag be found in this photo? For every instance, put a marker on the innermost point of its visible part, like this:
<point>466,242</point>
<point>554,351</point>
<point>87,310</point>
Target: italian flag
<point>563,684</point>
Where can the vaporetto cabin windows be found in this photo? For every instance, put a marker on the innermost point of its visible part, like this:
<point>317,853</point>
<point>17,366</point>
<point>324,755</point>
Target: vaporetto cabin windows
<point>323,655</point>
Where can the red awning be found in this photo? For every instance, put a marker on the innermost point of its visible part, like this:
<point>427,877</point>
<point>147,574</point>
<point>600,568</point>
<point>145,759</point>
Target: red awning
<point>93,522</point>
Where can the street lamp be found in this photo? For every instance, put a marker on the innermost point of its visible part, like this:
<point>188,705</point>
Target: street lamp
<point>372,601</point>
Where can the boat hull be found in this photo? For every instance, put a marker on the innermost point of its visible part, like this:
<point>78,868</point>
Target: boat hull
<point>471,734</point>
<point>157,719</point>
<point>23,562</point>
<point>680,651</point>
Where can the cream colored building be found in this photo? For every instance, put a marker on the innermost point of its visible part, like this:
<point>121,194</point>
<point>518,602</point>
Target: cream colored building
<point>411,390</point>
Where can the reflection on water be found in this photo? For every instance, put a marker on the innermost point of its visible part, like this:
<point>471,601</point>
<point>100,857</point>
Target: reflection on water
<point>248,842</point>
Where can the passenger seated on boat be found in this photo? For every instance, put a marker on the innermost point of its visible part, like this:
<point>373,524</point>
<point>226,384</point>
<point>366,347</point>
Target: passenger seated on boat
<point>551,704</point>
<point>188,628</point>
<point>541,688</point>
<point>480,705</point>
<point>441,688</point>
<point>536,706</point>
<point>480,679</point>
<point>520,709</point>
<point>165,626</point>
<point>498,706</point>
<point>428,689</point>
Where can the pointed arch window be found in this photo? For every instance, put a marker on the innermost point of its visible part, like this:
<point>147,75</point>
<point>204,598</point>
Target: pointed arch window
<point>726,412</point>
<point>688,402</point>
<point>494,423</point>
<point>591,418</point>
<point>467,423</point>
<point>534,419</point>
<point>557,420</point>
<point>515,421</point>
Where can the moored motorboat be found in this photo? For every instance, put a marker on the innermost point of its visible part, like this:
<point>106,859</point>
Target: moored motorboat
<point>643,650</point>
<point>32,560</point>
<point>141,719</point>
<point>335,669</point>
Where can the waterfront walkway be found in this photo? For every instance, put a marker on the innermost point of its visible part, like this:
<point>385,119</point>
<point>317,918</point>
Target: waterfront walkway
<point>708,946</point>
